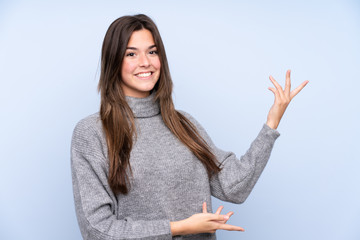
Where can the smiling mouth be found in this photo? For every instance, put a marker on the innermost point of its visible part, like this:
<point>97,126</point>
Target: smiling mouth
<point>146,74</point>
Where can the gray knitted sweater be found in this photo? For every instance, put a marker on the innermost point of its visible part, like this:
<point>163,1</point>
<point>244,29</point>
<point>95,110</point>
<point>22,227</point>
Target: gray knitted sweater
<point>169,183</point>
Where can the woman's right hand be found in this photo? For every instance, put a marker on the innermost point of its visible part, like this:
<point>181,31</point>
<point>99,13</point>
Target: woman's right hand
<point>203,223</point>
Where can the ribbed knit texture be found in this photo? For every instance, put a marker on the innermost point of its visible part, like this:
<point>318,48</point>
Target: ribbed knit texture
<point>169,183</point>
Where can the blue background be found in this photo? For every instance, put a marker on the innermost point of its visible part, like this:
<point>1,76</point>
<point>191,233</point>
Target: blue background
<point>221,55</point>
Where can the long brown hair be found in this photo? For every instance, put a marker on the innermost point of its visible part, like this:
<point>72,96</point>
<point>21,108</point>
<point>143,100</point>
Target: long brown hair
<point>116,115</point>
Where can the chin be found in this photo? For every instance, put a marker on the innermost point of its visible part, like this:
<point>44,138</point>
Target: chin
<point>149,86</point>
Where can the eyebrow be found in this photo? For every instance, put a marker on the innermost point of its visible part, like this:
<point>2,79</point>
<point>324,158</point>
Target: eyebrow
<point>134,48</point>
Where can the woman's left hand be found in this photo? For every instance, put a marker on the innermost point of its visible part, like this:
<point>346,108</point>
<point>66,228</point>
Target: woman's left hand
<point>282,100</point>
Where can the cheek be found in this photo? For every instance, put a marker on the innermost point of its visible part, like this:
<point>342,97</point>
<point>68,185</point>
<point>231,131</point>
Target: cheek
<point>128,67</point>
<point>157,63</point>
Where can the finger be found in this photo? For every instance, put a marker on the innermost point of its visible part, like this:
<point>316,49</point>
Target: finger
<point>298,89</point>
<point>230,214</point>
<point>204,207</point>
<point>218,211</point>
<point>274,91</point>
<point>216,217</point>
<point>277,85</point>
<point>279,90</point>
<point>287,83</point>
<point>229,227</point>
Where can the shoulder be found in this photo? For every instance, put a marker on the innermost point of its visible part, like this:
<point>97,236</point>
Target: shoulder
<point>88,143</point>
<point>189,117</point>
<point>87,130</point>
<point>88,124</point>
<point>196,123</point>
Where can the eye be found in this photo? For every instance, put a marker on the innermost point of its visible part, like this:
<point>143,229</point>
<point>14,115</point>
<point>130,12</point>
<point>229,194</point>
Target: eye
<point>131,54</point>
<point>153,52</point>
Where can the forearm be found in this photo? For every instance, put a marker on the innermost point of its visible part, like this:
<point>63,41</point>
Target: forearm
<point>238,176</point>
<point>272,123</point>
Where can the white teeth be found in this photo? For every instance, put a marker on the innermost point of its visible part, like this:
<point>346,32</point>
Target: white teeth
<point>144,74</point>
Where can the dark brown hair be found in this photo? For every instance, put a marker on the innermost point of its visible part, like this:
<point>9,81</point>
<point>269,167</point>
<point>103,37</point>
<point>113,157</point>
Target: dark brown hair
<point>116,115</point>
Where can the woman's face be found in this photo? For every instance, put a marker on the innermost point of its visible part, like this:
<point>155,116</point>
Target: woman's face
<point>141,65</point>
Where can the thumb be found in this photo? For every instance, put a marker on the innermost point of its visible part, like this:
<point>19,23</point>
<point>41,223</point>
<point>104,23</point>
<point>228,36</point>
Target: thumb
<point>204,207</point>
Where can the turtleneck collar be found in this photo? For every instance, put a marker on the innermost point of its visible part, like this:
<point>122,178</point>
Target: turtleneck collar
<point>144,107</point>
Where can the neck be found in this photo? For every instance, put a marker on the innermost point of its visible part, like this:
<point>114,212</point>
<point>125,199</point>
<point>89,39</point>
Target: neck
<point>144,107</point>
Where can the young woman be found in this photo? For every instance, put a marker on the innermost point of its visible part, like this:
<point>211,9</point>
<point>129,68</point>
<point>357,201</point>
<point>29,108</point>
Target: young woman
<point>143,170</point>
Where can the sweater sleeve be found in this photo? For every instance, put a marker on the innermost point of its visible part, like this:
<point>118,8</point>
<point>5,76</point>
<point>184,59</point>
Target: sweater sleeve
<point>95,204</point>
<point>239,176</point>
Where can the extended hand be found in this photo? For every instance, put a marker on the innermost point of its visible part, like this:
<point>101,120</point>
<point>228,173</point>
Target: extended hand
<point>218,211</point>
<point>282,100</point>
<point>203,223</point>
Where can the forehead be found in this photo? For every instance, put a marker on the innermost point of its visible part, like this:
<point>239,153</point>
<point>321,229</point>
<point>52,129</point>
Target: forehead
<point>141,38</point>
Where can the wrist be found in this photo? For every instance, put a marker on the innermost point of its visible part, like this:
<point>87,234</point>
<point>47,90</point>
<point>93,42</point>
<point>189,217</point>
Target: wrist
<point>272,124</point>
<point>177,228</point>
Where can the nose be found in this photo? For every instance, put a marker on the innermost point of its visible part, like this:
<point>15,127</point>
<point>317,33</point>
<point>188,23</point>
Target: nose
<point>144,61</point>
